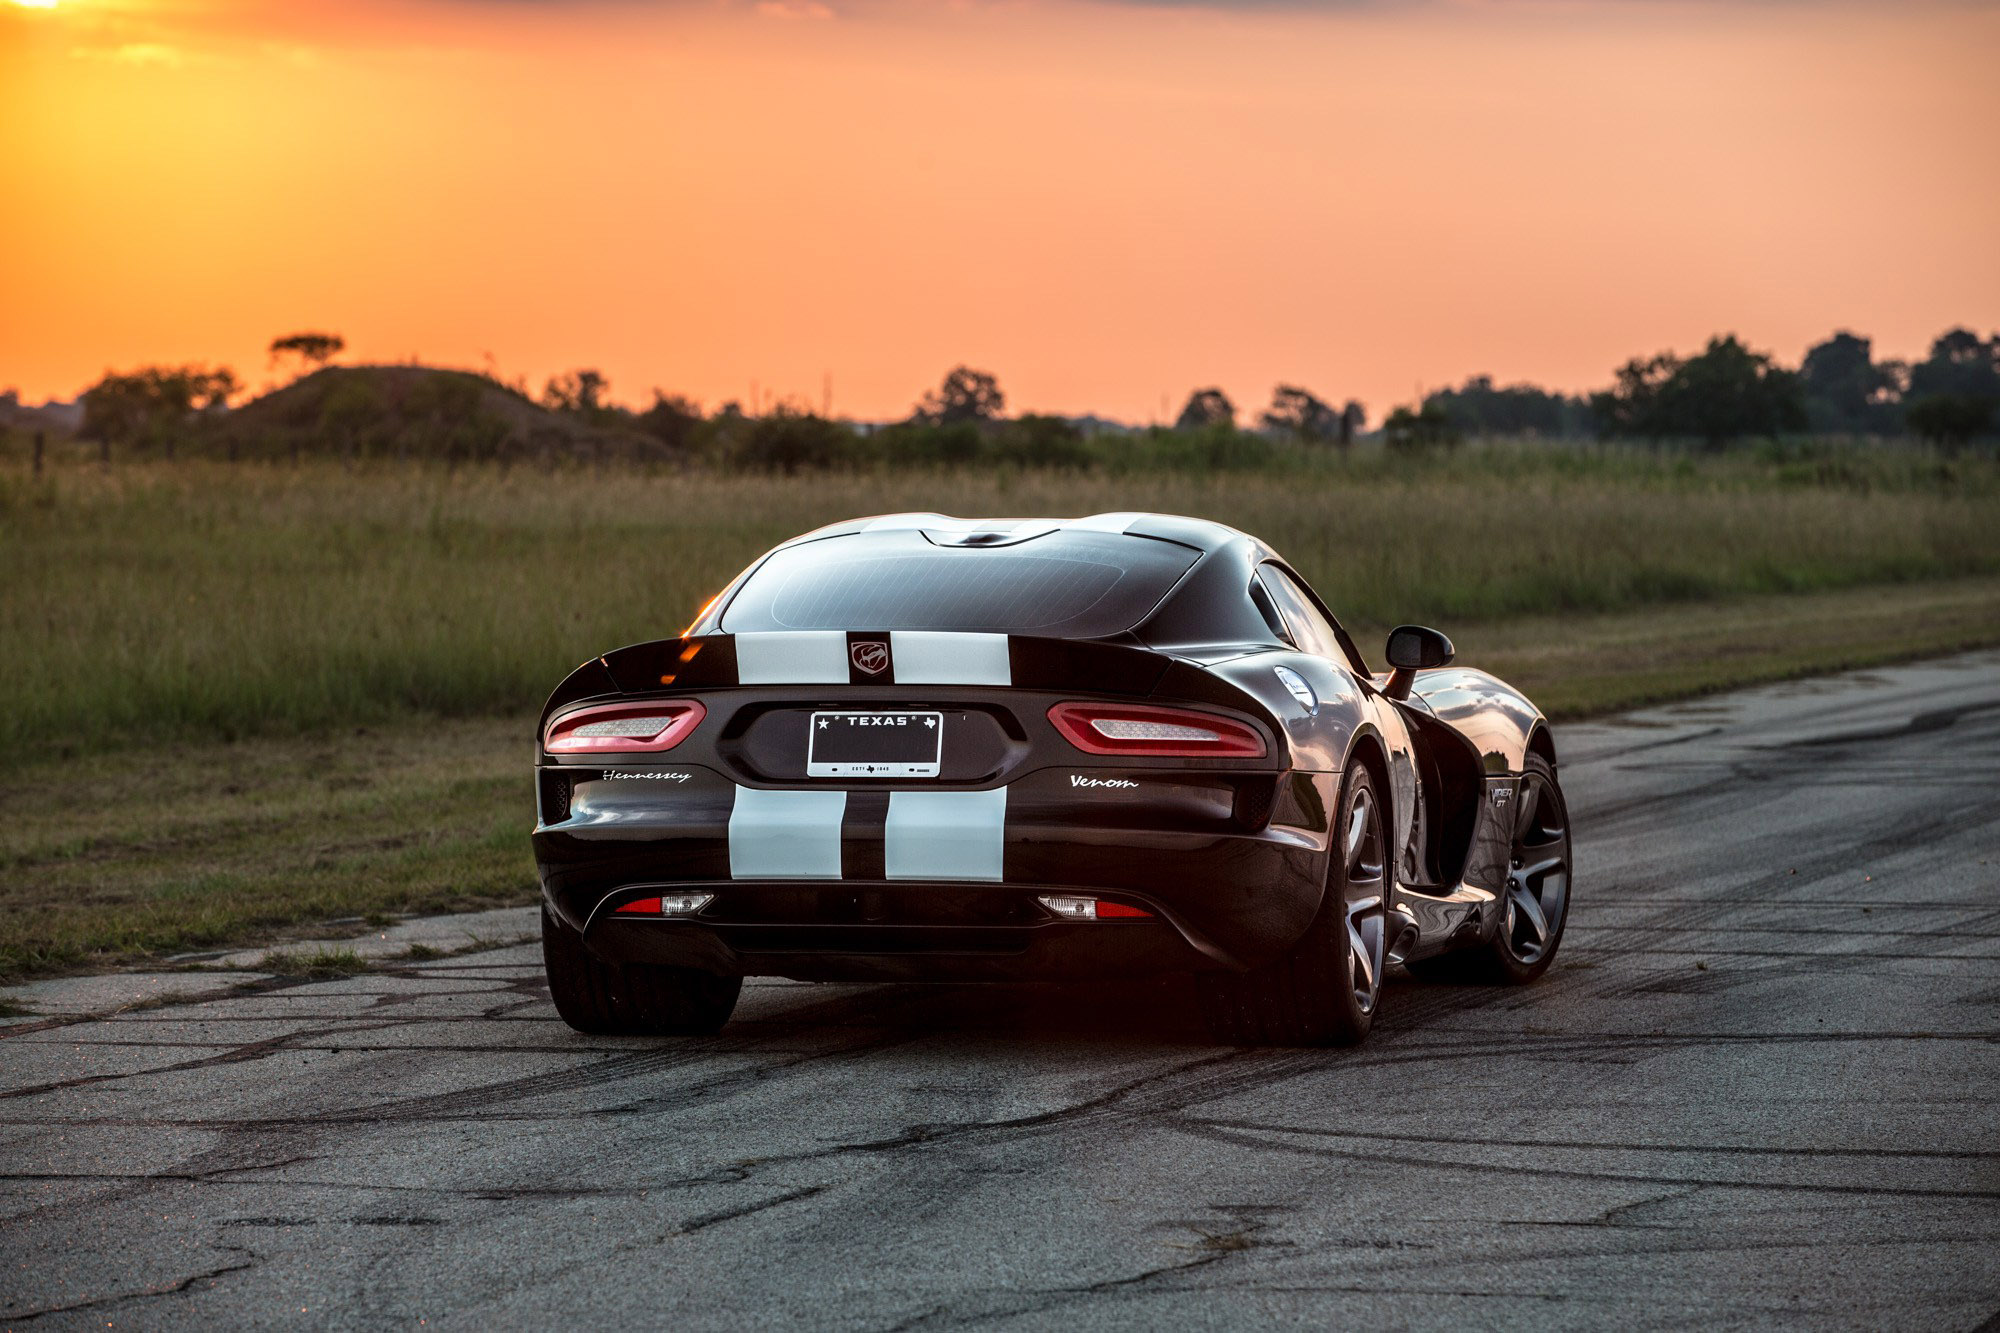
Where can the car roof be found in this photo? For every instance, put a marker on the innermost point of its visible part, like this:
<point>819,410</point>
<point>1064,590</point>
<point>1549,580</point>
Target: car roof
<point>1201,534</point>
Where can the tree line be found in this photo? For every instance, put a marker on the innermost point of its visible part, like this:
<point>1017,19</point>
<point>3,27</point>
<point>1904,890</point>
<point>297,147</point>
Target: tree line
<point>1728,391</point>
<point>1722,394</point>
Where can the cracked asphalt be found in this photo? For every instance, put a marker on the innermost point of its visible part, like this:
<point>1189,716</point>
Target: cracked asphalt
<point>1759,1087</point>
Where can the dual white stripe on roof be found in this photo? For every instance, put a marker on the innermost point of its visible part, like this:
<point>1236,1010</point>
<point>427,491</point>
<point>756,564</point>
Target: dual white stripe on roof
<point>1018,528</point>
<point>919,657</point>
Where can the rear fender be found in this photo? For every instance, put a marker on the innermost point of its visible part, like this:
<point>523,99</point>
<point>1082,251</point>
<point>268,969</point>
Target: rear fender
<point>1496,719</point>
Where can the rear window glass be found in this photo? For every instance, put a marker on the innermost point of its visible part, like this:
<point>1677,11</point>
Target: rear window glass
<point>1062,584</point>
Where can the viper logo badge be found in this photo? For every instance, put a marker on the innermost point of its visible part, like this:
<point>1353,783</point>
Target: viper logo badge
<point>871,656</point>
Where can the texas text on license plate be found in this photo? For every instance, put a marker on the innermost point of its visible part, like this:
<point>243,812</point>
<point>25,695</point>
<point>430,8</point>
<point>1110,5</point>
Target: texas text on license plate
<point>874,745</point>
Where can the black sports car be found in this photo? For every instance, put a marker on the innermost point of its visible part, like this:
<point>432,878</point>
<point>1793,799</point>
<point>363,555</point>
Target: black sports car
<point>928,748</point>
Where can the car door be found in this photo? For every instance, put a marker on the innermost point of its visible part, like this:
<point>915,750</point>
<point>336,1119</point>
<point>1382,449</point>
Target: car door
<point>1313,630</point>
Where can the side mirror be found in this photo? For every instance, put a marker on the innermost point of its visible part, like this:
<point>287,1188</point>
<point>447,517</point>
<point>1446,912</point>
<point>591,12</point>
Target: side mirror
<point>1413,648</point>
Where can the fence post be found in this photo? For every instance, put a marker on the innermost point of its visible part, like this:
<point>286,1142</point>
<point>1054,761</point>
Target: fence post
<point>38,453</point>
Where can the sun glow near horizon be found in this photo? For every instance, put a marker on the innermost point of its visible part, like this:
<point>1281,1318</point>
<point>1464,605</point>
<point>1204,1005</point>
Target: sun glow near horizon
<point>1106,205</point>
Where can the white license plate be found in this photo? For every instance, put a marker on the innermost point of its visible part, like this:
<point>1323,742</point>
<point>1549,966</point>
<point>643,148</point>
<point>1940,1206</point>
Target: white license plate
<point>874,745</point>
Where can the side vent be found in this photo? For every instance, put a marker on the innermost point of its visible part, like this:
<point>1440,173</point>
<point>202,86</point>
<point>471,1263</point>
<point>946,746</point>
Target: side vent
<point>555,797</point>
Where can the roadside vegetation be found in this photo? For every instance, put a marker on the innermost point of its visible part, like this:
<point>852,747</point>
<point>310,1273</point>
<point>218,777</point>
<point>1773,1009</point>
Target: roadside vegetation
<point>135,854</point>
<point>277,663</point>
<point>200,600</point>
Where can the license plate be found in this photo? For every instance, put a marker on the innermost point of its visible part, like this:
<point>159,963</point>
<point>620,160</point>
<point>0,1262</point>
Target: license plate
<point>874,745</point>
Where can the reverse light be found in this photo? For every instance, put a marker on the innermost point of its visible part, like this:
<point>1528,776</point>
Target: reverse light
<point>1121,729</point>
<point>1074,908</point>
<point>624,728</point>
<point>667,904</point>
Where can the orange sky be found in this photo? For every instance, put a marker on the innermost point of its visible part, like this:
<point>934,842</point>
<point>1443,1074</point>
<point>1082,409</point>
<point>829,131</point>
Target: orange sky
<point>1106,204</point>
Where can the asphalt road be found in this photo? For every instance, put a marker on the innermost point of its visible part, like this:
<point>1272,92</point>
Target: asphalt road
<point>1759,1087</point>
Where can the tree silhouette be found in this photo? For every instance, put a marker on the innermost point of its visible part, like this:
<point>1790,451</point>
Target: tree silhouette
<point>155,404</point>
<point>1431,426</point>
<point>1480,407</point>
<point>1726,392</point>
<point>672,420</point>
<point>1205,408</point>
<point>1298,413</point>
<point>580,393</point>
<point>1954,395</point>
<point>312,350</point>
<point>1844,389</point>
<point>1353,420</point>
<point>965,395</point>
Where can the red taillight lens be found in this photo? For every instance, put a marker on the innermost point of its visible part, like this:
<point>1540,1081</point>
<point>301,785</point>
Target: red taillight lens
<point>1110,911</point>
<point>624,728</point>
<point>1120,729</point>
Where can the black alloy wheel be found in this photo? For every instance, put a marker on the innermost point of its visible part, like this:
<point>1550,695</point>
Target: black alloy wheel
<point>1535,903</point>
<point>1366,885</point>
<point>1538,868</point>
<point>1326,989</point>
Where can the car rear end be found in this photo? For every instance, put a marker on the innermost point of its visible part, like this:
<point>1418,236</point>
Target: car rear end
<point>885,802</point>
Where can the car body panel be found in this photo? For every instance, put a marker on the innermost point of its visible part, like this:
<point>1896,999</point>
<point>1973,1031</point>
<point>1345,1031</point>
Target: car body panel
<point>940,878</point>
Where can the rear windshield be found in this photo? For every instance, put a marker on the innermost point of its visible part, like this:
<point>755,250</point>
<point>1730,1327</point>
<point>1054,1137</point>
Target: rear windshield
<point>1063,584</point>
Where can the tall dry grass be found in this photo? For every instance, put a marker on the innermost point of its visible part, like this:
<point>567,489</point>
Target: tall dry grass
<point>215,600</point>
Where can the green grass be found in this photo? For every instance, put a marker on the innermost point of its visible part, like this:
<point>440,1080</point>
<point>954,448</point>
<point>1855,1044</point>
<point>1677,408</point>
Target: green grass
<point>124,857</point>
<point>322,964</point>
<point>208,600</point>
<point>210,668</point>
<point>160,849</point>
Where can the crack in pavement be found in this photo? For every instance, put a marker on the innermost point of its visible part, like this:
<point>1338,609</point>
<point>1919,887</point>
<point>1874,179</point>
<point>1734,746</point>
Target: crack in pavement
<point>180,1287</point>
<point>928,1157</point>
<point>1255,1139</point>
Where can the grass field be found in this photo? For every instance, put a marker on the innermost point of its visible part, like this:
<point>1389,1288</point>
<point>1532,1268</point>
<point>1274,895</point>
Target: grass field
<point>208,665</point>
<point>205,600</point>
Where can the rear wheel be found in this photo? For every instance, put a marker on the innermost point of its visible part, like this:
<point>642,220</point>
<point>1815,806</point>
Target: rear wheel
<point>1536,904</point>
<point>1325,990</point>
<point>592,995</point>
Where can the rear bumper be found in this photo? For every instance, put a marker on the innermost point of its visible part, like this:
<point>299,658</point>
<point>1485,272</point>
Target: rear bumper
<point>1044,949</point>
<point>1230,881</point>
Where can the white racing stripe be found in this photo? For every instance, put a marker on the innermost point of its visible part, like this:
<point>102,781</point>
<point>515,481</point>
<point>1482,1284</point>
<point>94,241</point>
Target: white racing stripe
<point>792,657</point>
<point>905,522</point>
<point>925,657</point>
<point>1019,529</point>
<point>1104,522</point>
<point>945,834</point>
<point>785,834</point>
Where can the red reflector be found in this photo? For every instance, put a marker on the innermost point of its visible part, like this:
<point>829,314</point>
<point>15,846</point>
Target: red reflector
<point>1123,729</point>
<point>642,907</point>
<point>1106,908</point>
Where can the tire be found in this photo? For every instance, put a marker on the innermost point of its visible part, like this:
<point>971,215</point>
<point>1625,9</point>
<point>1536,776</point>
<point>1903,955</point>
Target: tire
<point>1327,989</point>
<point>603,998</point>
<point>1535,907</point>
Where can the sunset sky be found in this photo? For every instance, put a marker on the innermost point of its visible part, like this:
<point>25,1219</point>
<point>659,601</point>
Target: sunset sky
<point>1106,204</point>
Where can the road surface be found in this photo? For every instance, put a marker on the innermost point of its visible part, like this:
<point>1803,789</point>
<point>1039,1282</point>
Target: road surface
<point>1759,1087</point>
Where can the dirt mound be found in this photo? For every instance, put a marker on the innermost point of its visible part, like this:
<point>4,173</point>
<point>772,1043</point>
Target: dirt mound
<point>416,412</point>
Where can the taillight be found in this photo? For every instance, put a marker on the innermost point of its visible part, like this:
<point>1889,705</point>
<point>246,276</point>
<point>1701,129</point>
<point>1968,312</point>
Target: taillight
<point>668,904</point>
<point>1070,907</point>
<point>1122,729</point>
<point>646,728</point>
